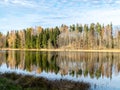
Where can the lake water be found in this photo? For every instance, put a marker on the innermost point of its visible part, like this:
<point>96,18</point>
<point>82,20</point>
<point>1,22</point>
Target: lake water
<point>101,70</point>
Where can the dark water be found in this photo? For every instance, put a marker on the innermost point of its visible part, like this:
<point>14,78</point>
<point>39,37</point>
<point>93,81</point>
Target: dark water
<point>101,70</point>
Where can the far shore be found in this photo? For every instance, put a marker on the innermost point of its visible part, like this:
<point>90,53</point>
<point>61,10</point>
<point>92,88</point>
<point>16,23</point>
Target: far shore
<point>71,50</point>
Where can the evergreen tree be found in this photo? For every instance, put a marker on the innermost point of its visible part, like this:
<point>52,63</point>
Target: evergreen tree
<point>44,40</point>
<point>17,42</point>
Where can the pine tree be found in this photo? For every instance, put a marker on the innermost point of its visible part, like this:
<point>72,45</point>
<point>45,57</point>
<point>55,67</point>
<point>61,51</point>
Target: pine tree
<point>17,41</point>
<point>44,40</point>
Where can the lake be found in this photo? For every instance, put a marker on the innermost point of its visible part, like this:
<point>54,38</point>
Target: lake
<point>101,70</point>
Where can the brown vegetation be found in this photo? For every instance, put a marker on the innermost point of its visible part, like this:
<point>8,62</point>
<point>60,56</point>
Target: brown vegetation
<point>38,83</point>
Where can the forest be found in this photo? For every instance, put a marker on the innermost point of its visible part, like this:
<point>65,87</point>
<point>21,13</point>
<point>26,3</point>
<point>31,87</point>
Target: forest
<point>76,36</point>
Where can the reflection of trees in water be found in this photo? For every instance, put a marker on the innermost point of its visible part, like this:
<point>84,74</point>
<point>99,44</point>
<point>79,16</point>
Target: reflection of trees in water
<point>11,61</point>
<point>75,63</point>
<point>93,64</point>
<point>2,57</point>
<point>31,61</point>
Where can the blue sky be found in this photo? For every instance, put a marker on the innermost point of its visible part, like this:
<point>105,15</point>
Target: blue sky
<point>20,14</point>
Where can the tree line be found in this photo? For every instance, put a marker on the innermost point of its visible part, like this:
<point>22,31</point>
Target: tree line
<point>76,36</point>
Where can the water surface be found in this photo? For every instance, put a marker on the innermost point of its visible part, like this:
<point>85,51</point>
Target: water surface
<point>101,70</point>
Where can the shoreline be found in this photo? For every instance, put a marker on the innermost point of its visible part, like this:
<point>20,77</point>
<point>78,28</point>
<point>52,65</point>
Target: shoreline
<point>22,82</point>
<point>67,50</point>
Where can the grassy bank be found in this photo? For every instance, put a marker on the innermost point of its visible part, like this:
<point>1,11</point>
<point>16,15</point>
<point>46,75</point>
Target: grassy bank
<point>76,50</point>
<point>12,81</point>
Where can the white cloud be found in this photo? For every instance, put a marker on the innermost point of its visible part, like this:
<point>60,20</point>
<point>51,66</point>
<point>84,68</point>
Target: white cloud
<point>6,0</point>
<point>56,12</point>
<point>117,1</point>
<point>21,2</point>
<point>26,3</point>
<point>15,23</point>
<point>103,16</point>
